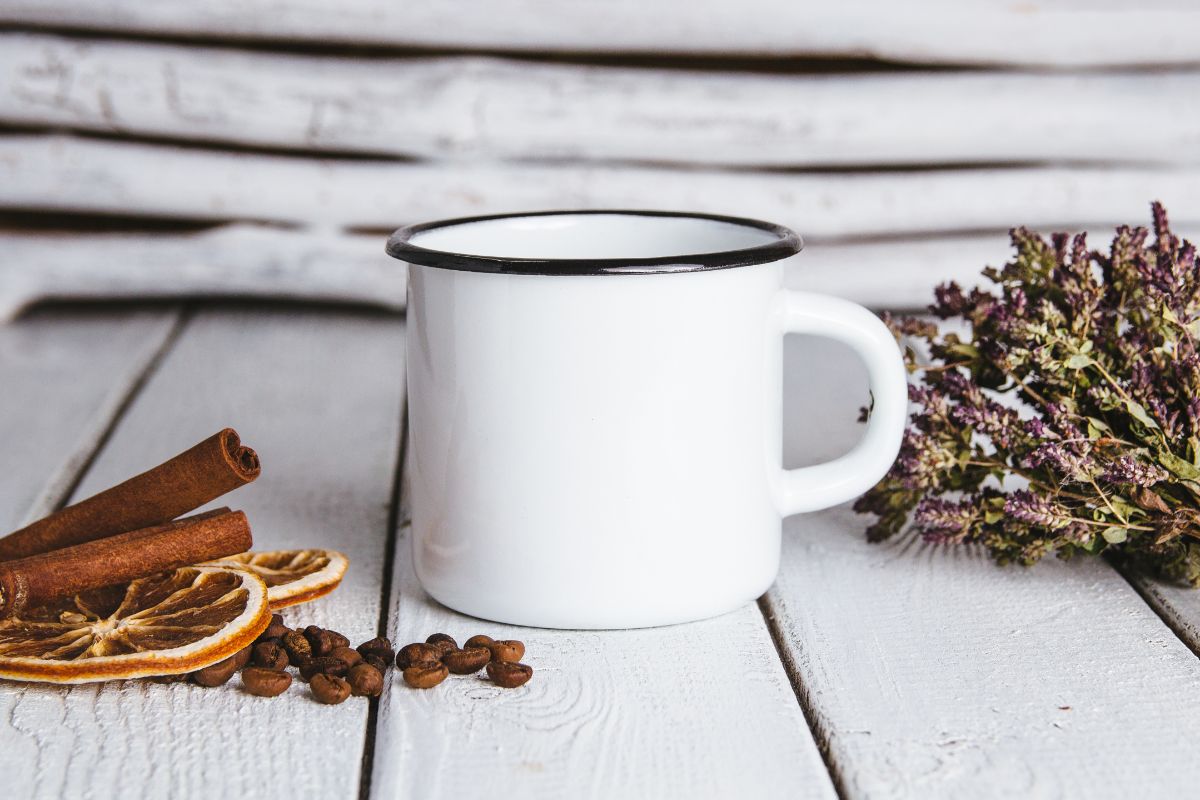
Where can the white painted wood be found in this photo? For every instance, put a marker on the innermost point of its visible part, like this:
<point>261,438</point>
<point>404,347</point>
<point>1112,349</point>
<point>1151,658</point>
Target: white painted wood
<point>56,173</point>
<point>64,376</point>
<point>322,265</point>
<point>1177,604</point>
<point>696,710</point>
<point>1053,32</point>
<point>232,261</point>
<point>318,394</point>
<point>486,107</point>
<point>901,273</point>
<point>934,673</point>
<point>898,274</point>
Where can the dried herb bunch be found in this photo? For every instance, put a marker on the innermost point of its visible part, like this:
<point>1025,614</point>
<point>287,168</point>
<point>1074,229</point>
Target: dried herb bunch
<point>1068,419</point>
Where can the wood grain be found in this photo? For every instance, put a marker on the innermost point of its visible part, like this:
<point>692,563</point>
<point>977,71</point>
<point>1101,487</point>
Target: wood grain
<point>319,396</point>
<point>241,261</point>
<point>931,672</point>
<point>498,108</point>
<point>1050,32</point>
<point>64,174</point>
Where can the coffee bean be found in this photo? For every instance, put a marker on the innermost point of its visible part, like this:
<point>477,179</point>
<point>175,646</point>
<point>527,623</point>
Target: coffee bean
<point>242,657</point>
<point>365,681</point>
<point>509,650</point>
<point>347,654</point>
<point>326,665</point>
<point>298,649</point>
<point>270,656</point>
<point>379,647</point>
<point>425,674</point>
<point>417,651</point>
<point>264,682</point>
<point>324,641</point>
<point>467,661</point>
<point>478,640</point>
<point>329,689</point>
<point>321,641</point>
<point>508,674</point>
<point>276,630</point>
<point>378,663</point>
<point>216,674</point>
<point>443,642</point>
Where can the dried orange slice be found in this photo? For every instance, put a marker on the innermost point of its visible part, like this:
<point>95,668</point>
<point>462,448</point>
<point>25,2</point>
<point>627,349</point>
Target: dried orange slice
<point>292,576</point>
<point>166,624</point>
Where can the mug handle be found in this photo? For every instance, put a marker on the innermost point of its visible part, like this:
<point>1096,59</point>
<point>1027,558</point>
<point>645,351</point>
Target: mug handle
<point>844,478</point>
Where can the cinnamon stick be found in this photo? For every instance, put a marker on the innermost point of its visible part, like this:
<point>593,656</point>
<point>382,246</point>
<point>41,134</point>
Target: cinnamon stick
<point>197,476</point>
<point>37,580</point>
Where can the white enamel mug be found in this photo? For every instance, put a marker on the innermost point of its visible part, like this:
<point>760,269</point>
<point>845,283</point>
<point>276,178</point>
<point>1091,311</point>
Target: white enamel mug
<point>595,413</point>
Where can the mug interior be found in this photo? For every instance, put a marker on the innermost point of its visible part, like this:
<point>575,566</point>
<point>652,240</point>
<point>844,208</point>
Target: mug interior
<point>592,236</point>
<point>593,242</point>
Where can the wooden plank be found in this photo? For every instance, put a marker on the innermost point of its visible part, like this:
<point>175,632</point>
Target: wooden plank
<point>983,32</point>
<point>497,108</point>
<point>932,672</point>
<point>330,266</point>
<point>65,376</point>
<point>319,395</point>
<point>696,710</point>
<point>54,173</point>
<point>275,263</point>
<point>233,261</point>
<point>322,265</point>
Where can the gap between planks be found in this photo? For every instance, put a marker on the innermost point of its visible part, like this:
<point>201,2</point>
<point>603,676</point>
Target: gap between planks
<point>819,734</point>
<point>396,517</point>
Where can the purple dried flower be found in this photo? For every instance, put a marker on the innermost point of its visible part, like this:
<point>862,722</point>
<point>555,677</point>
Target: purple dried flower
<point>1063,458</point>
<point>949,301</point>
<point>1079,376</point>
<point>944,521</point>
<point>1035,509</point>
<point>921,462</point>
<point>1193,415</point>
<point>1128,469</point>
<point>1035,428</point>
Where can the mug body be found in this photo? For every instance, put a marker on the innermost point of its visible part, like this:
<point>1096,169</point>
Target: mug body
<point>594,450</point>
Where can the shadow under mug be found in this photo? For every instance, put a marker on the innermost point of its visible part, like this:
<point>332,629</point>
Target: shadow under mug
<point>595,413</point>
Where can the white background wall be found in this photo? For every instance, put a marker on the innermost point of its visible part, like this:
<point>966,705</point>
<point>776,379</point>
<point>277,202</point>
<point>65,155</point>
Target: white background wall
<point>264,147</point>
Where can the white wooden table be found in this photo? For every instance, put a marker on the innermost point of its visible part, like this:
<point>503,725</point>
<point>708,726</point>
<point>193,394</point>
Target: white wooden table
<point>897,670</point>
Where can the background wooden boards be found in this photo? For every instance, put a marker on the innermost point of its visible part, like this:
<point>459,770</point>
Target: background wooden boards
<point>457,107</point>
<point>856,123</point>
<point>1051,32</point>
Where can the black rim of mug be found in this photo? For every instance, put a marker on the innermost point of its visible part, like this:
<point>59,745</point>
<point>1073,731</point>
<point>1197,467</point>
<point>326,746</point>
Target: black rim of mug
<point>787,243</point>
